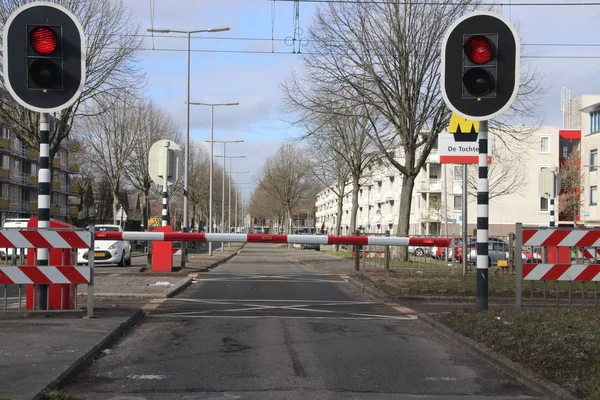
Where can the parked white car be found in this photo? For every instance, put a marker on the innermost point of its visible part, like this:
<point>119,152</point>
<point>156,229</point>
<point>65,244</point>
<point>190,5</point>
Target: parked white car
<point>108,251</point>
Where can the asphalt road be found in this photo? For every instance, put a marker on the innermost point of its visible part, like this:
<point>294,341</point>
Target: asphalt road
<point>278,324</point>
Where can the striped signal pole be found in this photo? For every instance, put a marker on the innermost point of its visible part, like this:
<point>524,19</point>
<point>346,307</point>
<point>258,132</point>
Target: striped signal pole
<point>165,199</point>
<point>482,219</point>
<point>552,224</point>
<point>44,184</point>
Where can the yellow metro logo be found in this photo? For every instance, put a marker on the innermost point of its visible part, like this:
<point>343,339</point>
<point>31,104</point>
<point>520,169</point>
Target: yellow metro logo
<point>464,130</point>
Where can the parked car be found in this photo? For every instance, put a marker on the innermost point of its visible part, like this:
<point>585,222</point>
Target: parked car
<point>472,245</point>
<point>311,246</point>
<point>419,251</point>
<point>499,250</point>
<point>108,251</point>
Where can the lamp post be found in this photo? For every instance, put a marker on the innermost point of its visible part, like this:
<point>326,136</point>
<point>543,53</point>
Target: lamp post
<point>229,196</point>
<point>223,186</point>
<point>212,145</point>
<point>239,194</point>
<point>186,168</point>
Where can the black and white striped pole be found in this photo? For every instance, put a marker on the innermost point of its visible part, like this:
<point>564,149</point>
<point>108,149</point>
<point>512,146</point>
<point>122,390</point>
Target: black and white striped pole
<point>165,197</point>
<point>44,184</point>
<point>552,222</point>
<point>483,212</point>
<point>480,81</point>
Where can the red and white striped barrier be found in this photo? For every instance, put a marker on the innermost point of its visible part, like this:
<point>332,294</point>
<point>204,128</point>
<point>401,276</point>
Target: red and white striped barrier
<point>561,272</point>
<point>266,238</point>
<point>44,239</point>
<point>588,254</point>
<point>26,275</point>
<point>561,237</point>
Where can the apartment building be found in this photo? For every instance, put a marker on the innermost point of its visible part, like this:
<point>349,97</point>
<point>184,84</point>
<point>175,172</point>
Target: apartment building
<point>437,196</point>
<point>19,180</point>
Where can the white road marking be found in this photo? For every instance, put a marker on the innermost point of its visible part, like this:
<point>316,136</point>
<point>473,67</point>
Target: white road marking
<point>381,317</point>
<point>232,301</point>
<point>441,378</point>
<point>270,280</point>
<point>151,377</point>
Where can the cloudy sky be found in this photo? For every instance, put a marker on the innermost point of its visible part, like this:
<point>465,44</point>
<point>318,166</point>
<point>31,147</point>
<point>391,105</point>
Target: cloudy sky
<point>245,65</point>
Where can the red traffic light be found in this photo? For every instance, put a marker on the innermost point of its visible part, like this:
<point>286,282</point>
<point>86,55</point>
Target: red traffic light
<point>479,49</point>
<point>43,40</point>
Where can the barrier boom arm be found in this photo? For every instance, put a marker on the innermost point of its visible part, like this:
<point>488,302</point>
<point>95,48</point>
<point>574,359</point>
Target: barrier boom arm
<point>266,238</point>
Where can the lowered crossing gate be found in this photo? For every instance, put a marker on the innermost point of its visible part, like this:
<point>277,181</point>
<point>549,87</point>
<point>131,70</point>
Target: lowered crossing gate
<point>266,238</point>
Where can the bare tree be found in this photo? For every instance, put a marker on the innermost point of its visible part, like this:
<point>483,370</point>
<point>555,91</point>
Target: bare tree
<point>507,174</point>
<point>382,59</point>
<point>286,176</point>
<point>331,169</point>
<point>571,177</point>
<point>111,69</point>
<point>110,138</point>
<point>156,126</point>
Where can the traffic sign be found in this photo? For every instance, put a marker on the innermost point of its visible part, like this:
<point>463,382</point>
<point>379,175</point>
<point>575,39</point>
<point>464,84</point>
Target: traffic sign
<point>157,159</point>
<point>549,183</point>
<point>480,65</point>
<point>460,145</point>
<point>44,57</point>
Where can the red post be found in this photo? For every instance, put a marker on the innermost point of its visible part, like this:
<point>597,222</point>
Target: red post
<point>162,253</point>
<point>58,257</point>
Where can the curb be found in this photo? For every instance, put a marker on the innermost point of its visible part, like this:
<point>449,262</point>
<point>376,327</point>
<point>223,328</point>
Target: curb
<point>224,260</point>
<point>500,362</point>
<point>373,292</point>
<point>178,288</point>
<point>517,371</point>
<point>387,296</point>
<point>89,356</point>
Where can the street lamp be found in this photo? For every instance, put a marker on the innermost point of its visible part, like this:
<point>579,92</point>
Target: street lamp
<point>212,145</point>
<point>186,168</point>
<point>238,193</point>
<point>229,196</point>
<point>223,186</point>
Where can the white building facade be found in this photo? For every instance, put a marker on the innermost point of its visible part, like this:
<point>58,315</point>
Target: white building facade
<point>436,207</point>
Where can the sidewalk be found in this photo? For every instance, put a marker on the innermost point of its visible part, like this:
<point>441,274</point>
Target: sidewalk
<point>39,351</point>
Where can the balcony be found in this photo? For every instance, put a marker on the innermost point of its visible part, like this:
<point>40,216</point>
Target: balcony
<point>433,185</point>
<point>430,215</point>
<point>4,204</point>
<point>32,207</point>
<point>74,168</point>
<point>4,143</point>
<point>32,180</point>
<point>56,162</point>
<point>4,174</point>
<point>74,190</point>
<point>434,156</point>
<point>35,154</point>
<point>73,211</point>
<point>55,185</point>
<point>55,210</point>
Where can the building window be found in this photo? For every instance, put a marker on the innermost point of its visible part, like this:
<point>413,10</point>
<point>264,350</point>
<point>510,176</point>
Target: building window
<point>457,202</point>
<point>543,204</point>
<point>593,195</point>
<point>595,122</point>
<point>458,172</point>
<point>593,157</point>
<point>544,144</point>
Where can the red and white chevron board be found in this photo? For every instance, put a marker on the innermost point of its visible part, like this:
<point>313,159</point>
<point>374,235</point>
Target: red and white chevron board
<point>562,237</point>
<point>266,238</point>
<point>561,272</point>
<point>588,254</point>
<point>13,238</point>
<point>26,275</point>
